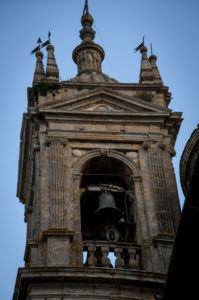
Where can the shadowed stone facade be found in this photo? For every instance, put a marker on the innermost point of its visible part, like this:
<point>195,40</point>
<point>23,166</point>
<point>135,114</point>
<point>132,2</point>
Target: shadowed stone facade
<point>84,138</point>
<point>179,283</point>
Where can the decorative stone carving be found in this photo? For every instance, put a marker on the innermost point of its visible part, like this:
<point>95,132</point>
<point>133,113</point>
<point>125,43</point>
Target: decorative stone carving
<point>105,260</point>
<point>104,152</point>
<point>92,260</point>
<point>133,155</point>
<point>163,145</point>
<point>159,188</point>
<point>146,145</point>
<point>77,153</point>
<point>119,263</point>
<point>88,56</point>
<point>133,263</point>
<point>102,107</point>
<point>59,140</point>
<point>57,183</point>
<point>80,162</point>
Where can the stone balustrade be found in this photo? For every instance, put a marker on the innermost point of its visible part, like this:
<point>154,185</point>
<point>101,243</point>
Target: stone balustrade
<point>127,255</point>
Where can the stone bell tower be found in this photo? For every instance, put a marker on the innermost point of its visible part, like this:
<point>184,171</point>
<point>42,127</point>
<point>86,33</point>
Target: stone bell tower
<point>96,180</point>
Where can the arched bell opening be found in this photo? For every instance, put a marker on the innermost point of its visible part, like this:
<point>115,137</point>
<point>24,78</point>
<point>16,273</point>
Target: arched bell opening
<point>107,201</point>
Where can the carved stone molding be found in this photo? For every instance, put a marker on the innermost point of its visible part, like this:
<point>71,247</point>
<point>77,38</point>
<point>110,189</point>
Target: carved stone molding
<point>77,153</point>
<point>59,140</point>
<point>57,232</point>
<point>78,165</point>
<point>163,145</point>
<point>167,146</point>
<point>146,144</point>
<point>159,187</point>
<point>57,181</point>
<point>136,178</point>
<point>104,152</point>
<point>77,176</point>
<point>36,147</point>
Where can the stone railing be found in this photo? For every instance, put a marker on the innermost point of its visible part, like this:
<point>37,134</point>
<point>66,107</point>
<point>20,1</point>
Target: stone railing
<point>127,255</point>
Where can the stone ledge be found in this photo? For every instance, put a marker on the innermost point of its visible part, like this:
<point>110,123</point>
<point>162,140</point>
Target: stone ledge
<point>30,275</point>
<point>164,239</point>
<point>58,232</point>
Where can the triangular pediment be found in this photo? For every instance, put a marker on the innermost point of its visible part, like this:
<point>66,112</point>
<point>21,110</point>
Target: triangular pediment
<point>103,100</point>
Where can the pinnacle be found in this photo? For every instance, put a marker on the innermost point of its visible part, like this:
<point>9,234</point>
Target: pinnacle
<point>52,71</point>
<point>88,56</point>
<point>39,74</point>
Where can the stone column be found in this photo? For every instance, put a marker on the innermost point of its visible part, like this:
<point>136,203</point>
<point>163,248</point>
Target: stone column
<point>142,224</point>
<point>159,188</point>
<point>56,240</point>
<point>68,174</point>
<point>77,247</point>
<point>44,184</point>
<point>57,184</point>
<point>161,243</point>
<point>36,200</point>
<point>172,192</point>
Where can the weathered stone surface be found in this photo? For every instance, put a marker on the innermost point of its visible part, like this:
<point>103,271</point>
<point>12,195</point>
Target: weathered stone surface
<point>39,74</point>
<point>73,283</point>
<point>52,71</point>
<point>85,136</point>
<point>188,160</point>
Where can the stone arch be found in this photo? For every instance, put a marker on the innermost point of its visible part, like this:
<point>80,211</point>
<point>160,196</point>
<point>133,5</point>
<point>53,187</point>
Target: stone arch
<point>79,164</point>
<point>135,183</point>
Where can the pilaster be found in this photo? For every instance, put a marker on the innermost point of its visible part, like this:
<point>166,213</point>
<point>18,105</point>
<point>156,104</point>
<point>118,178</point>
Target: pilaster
<point>77,247</point>
<point>162,242</point>
<point>57,183</point>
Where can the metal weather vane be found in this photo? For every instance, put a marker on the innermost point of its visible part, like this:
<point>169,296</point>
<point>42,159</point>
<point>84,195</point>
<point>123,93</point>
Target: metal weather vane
<point>140,46</point>
<point>48,41</point>
<point>41,45</point>
<point>151,48</point>
<point>86,11</point>
<point>39,41</point>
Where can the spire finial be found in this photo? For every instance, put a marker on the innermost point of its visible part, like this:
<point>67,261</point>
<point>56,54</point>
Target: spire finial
<point>146,73</point>
<point>86,11</point>
<point>88,56</point>
<point>39,74</point>
<point>52,71</point>
<point>151,48</point>
<point>156,73</point>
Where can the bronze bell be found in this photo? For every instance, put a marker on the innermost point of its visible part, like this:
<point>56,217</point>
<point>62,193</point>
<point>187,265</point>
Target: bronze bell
<point>107,203</point>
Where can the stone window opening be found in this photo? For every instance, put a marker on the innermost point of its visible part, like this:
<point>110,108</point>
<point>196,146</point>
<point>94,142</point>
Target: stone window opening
<point>107,201</point>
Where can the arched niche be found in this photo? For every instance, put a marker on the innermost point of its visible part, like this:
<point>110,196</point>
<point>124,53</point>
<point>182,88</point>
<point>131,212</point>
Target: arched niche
<point>109,174</point>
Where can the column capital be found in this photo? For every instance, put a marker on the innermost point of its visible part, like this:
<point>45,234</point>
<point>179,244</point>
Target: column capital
<point>136,178</point>
<point>77,176</point>
<point>56,140</point>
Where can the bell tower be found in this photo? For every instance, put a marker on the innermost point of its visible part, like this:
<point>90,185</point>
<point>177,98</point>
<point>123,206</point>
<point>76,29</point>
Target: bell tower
<point>96,180</point>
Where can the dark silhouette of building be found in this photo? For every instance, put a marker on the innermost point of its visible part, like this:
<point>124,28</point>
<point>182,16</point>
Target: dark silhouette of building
<point>182,275</point>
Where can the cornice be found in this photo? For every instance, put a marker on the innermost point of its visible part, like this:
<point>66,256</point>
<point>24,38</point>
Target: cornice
<point>115,85</point>
<point>98,91</point>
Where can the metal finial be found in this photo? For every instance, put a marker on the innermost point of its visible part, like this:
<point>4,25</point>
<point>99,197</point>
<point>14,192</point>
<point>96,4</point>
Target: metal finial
<point>49,35</point>
<point>140,46</point>
<point>85,11</point>
<point>151,48</point>
<point>39,41</point>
